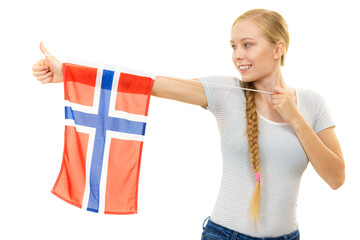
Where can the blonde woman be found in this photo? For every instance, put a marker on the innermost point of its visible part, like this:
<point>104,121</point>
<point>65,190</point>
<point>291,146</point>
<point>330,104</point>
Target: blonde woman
<point>269,131</point>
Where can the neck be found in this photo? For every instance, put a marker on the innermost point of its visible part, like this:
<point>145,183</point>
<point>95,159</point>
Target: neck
<point>268,83</point>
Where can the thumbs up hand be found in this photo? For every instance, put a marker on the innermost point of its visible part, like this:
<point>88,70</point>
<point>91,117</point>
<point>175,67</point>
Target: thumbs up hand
<point>48,70</point>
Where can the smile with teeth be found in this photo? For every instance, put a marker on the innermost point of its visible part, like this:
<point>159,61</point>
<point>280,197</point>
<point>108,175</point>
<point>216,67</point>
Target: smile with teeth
<point>245,67</point>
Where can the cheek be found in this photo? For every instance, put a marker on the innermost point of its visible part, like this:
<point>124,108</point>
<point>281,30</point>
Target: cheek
<point>259,55</point>
<point>263,59</point>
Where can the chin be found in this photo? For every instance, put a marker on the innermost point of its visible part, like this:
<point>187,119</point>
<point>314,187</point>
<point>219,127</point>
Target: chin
<point>247,80</point>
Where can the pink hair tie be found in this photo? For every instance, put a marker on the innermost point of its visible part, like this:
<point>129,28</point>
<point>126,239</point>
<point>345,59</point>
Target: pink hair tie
<point>257,176</point>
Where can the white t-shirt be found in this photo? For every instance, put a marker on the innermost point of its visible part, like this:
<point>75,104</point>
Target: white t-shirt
<point>282,159</point>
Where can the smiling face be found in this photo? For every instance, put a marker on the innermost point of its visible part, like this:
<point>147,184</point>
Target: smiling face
<point>251,47</point>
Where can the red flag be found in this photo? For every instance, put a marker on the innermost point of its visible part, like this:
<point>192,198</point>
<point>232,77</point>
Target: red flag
<point>106,110</point>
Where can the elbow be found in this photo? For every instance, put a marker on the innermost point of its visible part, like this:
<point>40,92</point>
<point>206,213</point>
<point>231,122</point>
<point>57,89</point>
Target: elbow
<point>339,184</point>
<point>336,187</point>
<point>341,179</point>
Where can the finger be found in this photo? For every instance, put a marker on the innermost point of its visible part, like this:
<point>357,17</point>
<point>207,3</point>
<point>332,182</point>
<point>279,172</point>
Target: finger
<point>275,101</point>
<point>276,90</point>
<point>40,68</point>
<point>275,94</point>
<point>46,80</point>
<point>50,74</point>
<point>279,89</point>
<point>40,73</point>
<point>44,50</point>
<point>40,63</point>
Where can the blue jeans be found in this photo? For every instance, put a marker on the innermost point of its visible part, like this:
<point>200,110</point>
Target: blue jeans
<point>214,231</point>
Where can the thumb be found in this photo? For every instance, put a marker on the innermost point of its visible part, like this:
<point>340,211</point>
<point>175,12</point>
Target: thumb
<point>44,50</point>
<point>278,90</point>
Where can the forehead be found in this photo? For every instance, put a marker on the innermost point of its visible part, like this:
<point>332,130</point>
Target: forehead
<point>245,29</point>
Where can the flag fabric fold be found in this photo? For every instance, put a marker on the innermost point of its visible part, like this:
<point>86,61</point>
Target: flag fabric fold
<point>106,109</point>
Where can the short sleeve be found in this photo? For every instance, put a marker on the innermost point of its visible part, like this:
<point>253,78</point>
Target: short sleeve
<point>323,118</point>
<point>216,89</point>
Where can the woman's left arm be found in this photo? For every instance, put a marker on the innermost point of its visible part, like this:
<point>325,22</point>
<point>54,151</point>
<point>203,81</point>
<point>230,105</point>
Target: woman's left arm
<point>322,149</point>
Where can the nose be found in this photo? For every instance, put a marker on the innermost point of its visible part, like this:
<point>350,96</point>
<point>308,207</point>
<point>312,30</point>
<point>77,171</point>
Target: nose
<point>238,54</point>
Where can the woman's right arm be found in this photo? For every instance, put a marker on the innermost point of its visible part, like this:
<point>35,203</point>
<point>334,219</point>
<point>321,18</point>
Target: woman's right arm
<point>180,90</point>
<point>49,70</point>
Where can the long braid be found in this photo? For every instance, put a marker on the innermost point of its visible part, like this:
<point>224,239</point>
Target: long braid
<point>275,28</point>
<point>253,132</point>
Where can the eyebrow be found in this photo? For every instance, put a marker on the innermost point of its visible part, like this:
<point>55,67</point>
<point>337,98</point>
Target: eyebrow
<point>243,39</point>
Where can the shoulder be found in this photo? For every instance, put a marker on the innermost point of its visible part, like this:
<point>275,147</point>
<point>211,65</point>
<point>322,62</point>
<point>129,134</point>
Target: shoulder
<point>309,96</point>
<point>220,84</point>
<point>220,79</point>
<point>312,92</point>
<point>217,89</point>
<point>313,100</point>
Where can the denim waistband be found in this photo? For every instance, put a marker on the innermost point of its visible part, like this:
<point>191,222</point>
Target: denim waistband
<point>212,226</point>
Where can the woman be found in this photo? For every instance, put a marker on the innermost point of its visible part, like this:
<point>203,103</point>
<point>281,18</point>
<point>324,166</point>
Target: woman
<point>295,123</point>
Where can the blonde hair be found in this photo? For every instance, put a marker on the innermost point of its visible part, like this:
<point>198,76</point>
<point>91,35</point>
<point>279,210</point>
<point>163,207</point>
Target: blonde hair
<point>274,28</point>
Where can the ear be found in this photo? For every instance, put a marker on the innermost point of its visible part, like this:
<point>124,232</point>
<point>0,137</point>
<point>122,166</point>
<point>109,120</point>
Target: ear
<point>279,49</point>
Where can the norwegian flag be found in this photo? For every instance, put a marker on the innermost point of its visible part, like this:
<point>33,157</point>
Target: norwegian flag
<point>106,111</point>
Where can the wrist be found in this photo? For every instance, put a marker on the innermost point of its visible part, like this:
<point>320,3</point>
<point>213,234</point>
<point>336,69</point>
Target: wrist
<point>298,123</point>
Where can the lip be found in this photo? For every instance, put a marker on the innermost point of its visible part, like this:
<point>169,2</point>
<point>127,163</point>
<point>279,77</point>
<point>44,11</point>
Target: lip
<point>245,71</point>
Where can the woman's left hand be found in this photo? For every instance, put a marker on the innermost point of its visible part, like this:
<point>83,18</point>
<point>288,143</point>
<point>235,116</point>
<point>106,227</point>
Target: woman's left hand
<point>285,106</point>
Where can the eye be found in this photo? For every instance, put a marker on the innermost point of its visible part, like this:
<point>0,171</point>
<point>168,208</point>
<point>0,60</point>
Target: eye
<point>245,44</point>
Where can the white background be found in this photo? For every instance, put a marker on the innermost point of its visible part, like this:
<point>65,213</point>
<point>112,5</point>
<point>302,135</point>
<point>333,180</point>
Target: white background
<point>181,161</point>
